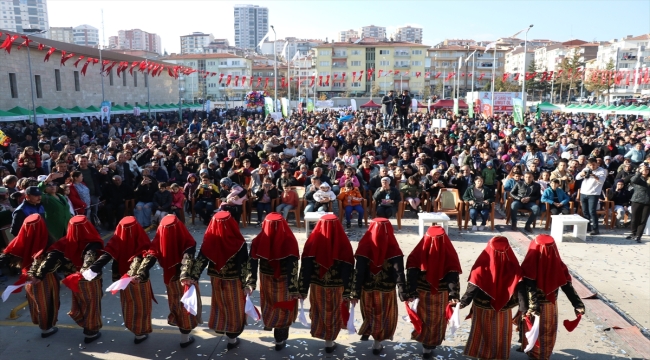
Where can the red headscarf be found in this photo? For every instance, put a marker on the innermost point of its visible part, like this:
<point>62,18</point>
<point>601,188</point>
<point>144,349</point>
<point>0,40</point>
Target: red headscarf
<point>30,242</point>
<point>222,239</point>
<point>544,265</point>
<point>80,233</point>
<point>378,244</point>
<point>328,242</point>
<point>275,242</point>
<point>436,255</point>
<point>129,240</point>
<point>497,272</point>
<point>169,244</point>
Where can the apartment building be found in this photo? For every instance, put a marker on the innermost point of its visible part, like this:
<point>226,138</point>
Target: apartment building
<point>409,34</point>
<point>347,35</point>
<point>195,42</point>
<point>377,32</point>
<point>251,24</point>
<point>62,34</point>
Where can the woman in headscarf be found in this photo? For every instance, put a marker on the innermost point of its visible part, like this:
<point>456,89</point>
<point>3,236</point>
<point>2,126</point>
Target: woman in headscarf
<point>42,296</point>
<point>326,274</point>
<point>432,272</point>
<point>72,254</point>
<point>275,252</point>
<point>128,249</point>
<point>544,273</point>
<point>174,248</point>
<point>225,253</point>
<point>493,281</point>
<point>379,268</point>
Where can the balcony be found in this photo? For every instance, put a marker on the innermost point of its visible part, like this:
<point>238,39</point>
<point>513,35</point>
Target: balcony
<point>402,66</point>
<point>339,56</point>
<point>628,57</point>
<point>484,65</point>
<point>340,65</point>
<point>402,54</point>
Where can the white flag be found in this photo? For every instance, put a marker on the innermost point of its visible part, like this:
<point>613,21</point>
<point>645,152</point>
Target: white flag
<point>302,318</point>
<point>89,275</point>
<point>519,32</point>
<point>251,310</point>
<point>190,301</point>
<point>10,289</point>
<point>296,56</point>
<point>454,322</point>
<point>490,46</point>
<point>120,284</point>
<point>470,55</point>
<point>284,49</point>
<point>350,325</point>
<point>532,335</point>
<point>268,34</point>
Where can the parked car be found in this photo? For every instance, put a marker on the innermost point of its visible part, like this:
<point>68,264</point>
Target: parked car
<point>582,99</point>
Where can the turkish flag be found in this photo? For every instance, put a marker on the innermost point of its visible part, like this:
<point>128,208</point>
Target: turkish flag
<point>427,74</point>
<point>259,81</point>
<point>627,79</point>
<point>77,62</point>
<point>237,80</point>
<point>516,77</point>
<point>85,67</point>
<point>282,82</point>
<point>342,77</point>
<point>228,80</point>
<point>335,76</point>
<point>396,72</point>
<point>250,82</point>
<point>354,75</point>
<point>266,82</point>
<point>550,76</point>
<point>65,57</point>
<point>313,78</point>
<point>438,74</point>
<point>481,77</point>
<point>327,81</point>
<point>505,76</point>
<point>49,53</point>
<point>380,71</point>
<point>320,80</point>
<point>8,42</point>
<point>220,78</point>
<point>24,43</point>
<point>243,80</point>
<point>417,74</point>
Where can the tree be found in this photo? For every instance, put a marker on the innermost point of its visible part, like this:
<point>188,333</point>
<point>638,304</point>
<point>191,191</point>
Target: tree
<point>569,67</point>
<point>375,89</point>
<point>501,86</point>
<point>596,84</point>
<point>439,88</point>
<point>426,93</point>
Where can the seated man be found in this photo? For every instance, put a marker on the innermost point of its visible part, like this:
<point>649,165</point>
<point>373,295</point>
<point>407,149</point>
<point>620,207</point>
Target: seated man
<point>525,195</point>
<point>315,204</point>
<point>233,197</point>
<point>621,198</point>
<point>556,199</point>
<point>387,198</point>
<point>205,196</point>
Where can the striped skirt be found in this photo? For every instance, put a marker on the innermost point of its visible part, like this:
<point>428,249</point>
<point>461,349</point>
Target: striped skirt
<point>274,290</point>
<point>379,313</point>
<point>547,332</point>
<point>325,311</point>
<point>228,313</point>
<point>178,316</point>
<point>136,307</point>
<point>490,335</point>
<point>431,309</point>
<point>86,308</point>
<point>44,302</point>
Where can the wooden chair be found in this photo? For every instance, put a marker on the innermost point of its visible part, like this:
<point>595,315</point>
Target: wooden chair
<point>523,211</point>
<point>547,214</point>
<point>466,210</point>
<point>129,205</point>
<point>498,193</point>
<point>364,204</point>
<point>217,203</point>
<point>449,203</point>
<point>604,211</point>
<point>302,202</point>
<point>612,223</point>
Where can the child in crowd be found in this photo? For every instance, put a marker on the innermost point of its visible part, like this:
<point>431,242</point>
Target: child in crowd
<point>162,201</point>
<point>411,191</point>
<point>289,201</point>
<point>177,201</point>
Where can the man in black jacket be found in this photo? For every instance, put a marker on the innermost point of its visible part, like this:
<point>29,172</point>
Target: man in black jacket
<point>463,180</point>
<point>387,103</point>
<point>403,105</point>
<point>525,195</point>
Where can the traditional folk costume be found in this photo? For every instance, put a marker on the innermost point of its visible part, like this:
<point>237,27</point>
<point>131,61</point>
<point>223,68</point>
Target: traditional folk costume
<point>432,272</point>
<point>73,254</point>
<point>225,254</point>
<point>42,296</point>
<point>275,252</point>
<point>543,274</point>
<point>174,248</point>
<point>128,249</point>
<point>493,283</point>
<point>379,267</point>
<point>326,273</point>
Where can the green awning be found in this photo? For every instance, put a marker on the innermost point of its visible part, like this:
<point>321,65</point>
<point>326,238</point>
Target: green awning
<point>78,109</point>
<point>47,112</point>
<point>10,116</point>
<point>129,107</point>
<point>20,111</point>
<point>93,109</point>
<point>571,106</point>
<point>547,106</point>
<point>118,108</point>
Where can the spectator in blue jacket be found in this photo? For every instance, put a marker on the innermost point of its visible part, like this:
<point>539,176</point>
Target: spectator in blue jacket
<point>637,154</point>
<point>556,199</point>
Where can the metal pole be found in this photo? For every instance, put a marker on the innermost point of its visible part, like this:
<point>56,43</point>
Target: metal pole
<point>101,72</point>
<point>523,86</point>
<point>371,87</point>
<point>401,83</point>
<point>31,80</point>
<point>465,86</point>
<point>180,102</point>
<point>494,75</point>
<point>275,71</point>
<point>289,79</point>
<point>148,92</point>
<point>473,75</point>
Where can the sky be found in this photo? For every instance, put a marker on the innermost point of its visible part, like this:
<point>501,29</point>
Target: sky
<point>587,20</point>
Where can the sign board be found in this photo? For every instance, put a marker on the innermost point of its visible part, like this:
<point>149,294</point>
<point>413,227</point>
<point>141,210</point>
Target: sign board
<point>277,116</point>
<point>502,101</point>
<point>324,103</point>
<point>105,111</point>
<point>353,104</point>
<point>439,123</point>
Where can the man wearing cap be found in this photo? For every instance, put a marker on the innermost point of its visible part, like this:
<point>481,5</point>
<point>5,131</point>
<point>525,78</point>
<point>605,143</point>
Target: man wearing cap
<point>57,209</point>
<point>31,205</point>
<point>387,198</point>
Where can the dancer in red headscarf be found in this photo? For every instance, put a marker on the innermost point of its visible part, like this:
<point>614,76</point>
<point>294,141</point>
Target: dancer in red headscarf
<point>128,249</point>
<point>73,254</point>
<point>379,267</point>
<point>225,254</point>
<point>543,274</point>
<point>326,274</point>
<point>42,296</point>
<point>493,281</point>
<point>275,252</point>
<point>432,272</point>
<point>174,248</point>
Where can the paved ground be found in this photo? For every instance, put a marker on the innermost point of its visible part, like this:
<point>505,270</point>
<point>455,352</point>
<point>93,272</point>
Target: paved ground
<point>613,266</point>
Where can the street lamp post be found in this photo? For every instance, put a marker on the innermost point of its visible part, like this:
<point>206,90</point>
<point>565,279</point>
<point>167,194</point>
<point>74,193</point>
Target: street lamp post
<point>275,71</point>
<point>29,61</point>
<point>523,86</point>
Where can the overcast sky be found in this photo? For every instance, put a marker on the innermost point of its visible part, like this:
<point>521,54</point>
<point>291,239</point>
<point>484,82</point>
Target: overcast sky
<point>479,20</point>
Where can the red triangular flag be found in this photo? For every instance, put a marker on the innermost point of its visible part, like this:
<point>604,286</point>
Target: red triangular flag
<point>266,82</point>
<point>76,63</point>
<point>8,42</point>
<point>41,46</point>
<point>287,305</point>
<point>65,57</point>
<point>570,325</point>
<point>85,67</point>
<point>25,43</point>
<point>345,312</point>
<point>72,282</point>
<point>259,81</point>
<point>49,53</point>
<point>415,319</point>
<point>449,311</point>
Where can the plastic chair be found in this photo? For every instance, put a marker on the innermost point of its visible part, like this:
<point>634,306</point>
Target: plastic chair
<point>364,205</point>
<point>492,205</point>
<point>449,203</point>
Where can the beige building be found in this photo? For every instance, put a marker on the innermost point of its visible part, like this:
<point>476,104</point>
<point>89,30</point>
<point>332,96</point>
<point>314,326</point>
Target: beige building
<point>517,61</point>
<point>56,85</point>
<point>377,32</point>
<point>137,39</point>
<point>340,58</point>
<point>444,60</point>
<point>408,33</point>
<point>196,86</point>
<point>347,35</point>
<point>195,42</point>
<point>62,34</point>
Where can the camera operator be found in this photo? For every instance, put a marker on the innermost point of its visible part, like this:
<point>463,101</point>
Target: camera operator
<point>593,179</point>
<point>387,106</point>
<point>403,106</point>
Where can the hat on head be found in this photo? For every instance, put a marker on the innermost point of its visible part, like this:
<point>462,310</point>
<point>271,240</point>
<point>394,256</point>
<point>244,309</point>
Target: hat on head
<point>33,190</point>
<point>490,163</point>
<point>607,157</point>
